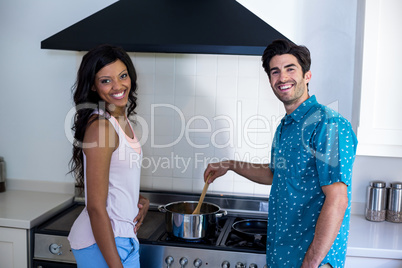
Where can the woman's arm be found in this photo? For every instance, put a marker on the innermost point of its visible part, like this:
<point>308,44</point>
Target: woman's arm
<point>102,140</point>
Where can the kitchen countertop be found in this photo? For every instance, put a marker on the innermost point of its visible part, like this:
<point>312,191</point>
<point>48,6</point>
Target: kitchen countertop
<point>374,239</point>
<point>26,209</point>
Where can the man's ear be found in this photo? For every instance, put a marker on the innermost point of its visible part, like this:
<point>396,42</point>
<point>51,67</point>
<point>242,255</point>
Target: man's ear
<point>307,76</point>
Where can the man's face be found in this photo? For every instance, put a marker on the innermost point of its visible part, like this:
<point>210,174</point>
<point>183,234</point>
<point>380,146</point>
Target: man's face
<point>287,80</point>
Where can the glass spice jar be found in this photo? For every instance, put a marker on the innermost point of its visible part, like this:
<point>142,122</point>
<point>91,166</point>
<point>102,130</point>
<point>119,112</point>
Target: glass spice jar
<point>376,201</point>
<point>394,210</point>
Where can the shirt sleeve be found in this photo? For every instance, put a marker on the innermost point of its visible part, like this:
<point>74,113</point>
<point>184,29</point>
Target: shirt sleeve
<point>335,151</point>
<point>273,163</point>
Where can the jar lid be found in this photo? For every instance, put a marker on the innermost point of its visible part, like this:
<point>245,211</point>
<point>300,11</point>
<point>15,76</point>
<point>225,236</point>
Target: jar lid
<point>396,184</point>
<point>377,184</point>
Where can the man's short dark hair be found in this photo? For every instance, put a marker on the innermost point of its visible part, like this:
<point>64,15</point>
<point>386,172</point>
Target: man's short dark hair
<point>280,47</point>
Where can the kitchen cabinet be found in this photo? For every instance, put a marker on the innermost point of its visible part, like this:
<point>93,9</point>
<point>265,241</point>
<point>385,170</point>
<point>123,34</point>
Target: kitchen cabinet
<point>20,212</point>
<point>13,247</point>
<point>378,39</point>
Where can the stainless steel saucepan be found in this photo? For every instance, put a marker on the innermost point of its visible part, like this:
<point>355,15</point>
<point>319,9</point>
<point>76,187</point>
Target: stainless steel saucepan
<point>183,224</point>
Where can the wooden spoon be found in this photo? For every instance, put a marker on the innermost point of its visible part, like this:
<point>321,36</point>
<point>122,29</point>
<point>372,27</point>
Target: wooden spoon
<point>204,191</point>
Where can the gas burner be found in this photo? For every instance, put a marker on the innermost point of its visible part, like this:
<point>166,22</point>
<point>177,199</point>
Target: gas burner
<point>235,241</point>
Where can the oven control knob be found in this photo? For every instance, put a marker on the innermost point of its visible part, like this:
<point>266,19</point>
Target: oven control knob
<point>55,249</point>
<point>225,264</point>
<point>169,260</point>
<point>253,265</point>
<point>183,262</point>
<point>240,265</point>
<point>197,263</point>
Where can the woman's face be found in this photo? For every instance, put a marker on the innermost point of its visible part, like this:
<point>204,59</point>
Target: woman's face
<point>113,84</point>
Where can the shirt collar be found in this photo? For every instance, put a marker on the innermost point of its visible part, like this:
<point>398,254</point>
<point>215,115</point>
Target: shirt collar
<point>302,110</point>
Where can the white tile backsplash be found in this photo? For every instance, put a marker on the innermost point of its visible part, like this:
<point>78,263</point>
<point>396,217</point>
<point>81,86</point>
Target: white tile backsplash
<point>185,85</point>
<point>197,109</point>
<point>205,106</point>
<point>163,183</point>
<point>183,167</point>
<point>144,63</point>
<point>182,185</point>
<point>205,85</point>
<point>185,64</point>
<point>164,65</point>
<point>184,149</point>
<point>226,87</point>
<point>249,66</point>
<point>228,65</point>
<point>186,104</point>
<point>243,187</point>
<point>144,102</point>
<point>207,65</point>
<point>164,85</point>
<point>146,84</point>
<point>163,105</point>
<point>248,88</point>
<point>260,189</point>
<point>146,181</point>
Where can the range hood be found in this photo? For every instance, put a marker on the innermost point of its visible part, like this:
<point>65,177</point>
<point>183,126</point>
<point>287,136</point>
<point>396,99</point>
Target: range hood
<point>170,26</point>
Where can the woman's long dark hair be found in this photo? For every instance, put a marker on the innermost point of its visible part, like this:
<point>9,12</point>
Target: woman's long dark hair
<point>86,100</point>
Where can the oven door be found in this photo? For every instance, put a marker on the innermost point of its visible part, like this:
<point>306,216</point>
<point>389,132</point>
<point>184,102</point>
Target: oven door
<point>48,264</point>
<point>53,248</point>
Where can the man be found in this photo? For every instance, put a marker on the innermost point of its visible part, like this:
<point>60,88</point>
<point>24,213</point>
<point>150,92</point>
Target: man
<point>310,171</point>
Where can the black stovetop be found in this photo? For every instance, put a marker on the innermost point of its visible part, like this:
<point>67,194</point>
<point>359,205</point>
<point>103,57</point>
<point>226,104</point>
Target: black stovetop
<point>61,223</point>
<point>153,230</point>
<point>223,237</point>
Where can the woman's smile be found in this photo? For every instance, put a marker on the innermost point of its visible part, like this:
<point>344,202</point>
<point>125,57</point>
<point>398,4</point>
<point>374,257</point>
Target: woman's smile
<point>119,96</point>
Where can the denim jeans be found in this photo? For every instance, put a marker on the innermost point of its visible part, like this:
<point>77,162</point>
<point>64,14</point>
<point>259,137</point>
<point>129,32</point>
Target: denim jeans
<point>91,257</point>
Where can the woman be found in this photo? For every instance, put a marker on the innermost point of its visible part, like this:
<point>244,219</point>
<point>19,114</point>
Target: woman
<point>107,161</point>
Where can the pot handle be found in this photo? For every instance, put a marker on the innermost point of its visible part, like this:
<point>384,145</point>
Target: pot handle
<point>162,208</point>
<point>221,213</point>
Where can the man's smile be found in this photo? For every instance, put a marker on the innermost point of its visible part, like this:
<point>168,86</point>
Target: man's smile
<point>285,87</point>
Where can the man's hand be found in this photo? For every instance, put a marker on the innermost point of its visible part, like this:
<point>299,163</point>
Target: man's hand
<point>216,170</point>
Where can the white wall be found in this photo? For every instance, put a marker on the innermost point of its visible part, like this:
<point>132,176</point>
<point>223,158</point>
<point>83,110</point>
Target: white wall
<point>36,92</point>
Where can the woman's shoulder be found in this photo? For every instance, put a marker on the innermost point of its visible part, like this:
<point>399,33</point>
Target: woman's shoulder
<point>98,121</point>
<point>100,132</point>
